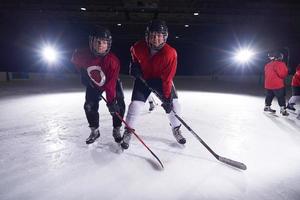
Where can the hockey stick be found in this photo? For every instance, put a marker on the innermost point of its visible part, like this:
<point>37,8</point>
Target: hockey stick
<point>133,131</point>
<point>220,158</point>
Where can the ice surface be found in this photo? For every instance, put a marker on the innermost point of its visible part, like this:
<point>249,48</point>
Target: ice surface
<point>44,155</point>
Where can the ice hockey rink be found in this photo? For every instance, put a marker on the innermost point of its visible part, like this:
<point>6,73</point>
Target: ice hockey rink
<point>44,155</point>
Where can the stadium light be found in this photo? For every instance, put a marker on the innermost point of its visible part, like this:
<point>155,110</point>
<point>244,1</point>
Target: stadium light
<point>50,54</point>
<point>244,56</point>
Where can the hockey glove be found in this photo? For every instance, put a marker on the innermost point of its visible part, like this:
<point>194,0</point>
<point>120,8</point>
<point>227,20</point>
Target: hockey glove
<point>168,105</point>
<point>113,108</point>
<point>135,70</point>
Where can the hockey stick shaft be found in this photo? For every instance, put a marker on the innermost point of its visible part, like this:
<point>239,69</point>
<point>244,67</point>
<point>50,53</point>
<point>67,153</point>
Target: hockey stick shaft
<point>220,158</point>
<point>133,131</point>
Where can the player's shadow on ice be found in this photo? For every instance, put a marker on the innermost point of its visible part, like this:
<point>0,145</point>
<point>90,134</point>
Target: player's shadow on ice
<point>110,146</point>
<point>153,163</point>
<point>293,123</point>
<point>104,152</point>
<point>278,122</point>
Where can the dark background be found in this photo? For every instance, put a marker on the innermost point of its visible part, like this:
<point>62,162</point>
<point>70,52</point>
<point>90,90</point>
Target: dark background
<point>204,48</point>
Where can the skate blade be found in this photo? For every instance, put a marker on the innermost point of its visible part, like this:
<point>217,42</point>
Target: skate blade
<point>93,145</point>
<point>118,148</point>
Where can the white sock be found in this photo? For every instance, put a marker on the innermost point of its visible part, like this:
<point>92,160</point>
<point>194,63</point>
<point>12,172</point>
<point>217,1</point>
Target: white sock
<point>134,110</point>
<point>173,120</point>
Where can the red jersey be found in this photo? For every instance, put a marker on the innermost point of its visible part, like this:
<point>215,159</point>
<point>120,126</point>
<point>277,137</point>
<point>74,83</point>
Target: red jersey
<point>102,71</point>
<point>161,65</point>
<point>275,72</point>
<point>296,77</point>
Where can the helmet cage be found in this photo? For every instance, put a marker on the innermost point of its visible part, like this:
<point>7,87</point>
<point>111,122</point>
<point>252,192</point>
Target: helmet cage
<point>100,34</point>
<point>275,56</point>
<point>156,26</point>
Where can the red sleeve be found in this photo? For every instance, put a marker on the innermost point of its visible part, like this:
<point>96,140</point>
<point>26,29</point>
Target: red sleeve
<point>297,75</point>
<point>79,58</point>
<point>282,70</point>
<point>168,73</point>
<point>112,77</point>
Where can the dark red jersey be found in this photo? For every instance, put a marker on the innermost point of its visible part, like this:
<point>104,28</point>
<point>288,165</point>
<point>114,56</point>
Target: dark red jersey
<point>102,71</point>
<point>296,77</point>
<point>161,65</point>
<point>275,73</point>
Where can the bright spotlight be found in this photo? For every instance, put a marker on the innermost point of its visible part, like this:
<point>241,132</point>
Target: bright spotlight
<point>244,55</point>
<point>50,54</point>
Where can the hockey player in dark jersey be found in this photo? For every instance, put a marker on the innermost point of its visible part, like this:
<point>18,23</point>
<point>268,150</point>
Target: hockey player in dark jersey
<point>155,61</point>
<point>99,69</point>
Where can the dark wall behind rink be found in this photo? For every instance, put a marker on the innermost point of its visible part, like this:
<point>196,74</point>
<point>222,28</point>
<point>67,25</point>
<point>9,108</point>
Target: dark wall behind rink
<point>202,50</point>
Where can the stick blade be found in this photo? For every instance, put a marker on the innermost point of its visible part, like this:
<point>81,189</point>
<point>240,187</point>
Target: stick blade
<point>162,166</point>
<point>232,163</point>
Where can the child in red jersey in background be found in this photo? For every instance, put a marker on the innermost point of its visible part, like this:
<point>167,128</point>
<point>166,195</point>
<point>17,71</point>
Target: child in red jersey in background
<point>275,73</point>
<point>295,91</point>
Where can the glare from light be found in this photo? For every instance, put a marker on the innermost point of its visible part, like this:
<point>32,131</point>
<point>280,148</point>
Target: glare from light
<point>196,14</point>
<point>50,54</point>
<point>244,55</point>
<point>119,24</point>
<point>83,9</point>
<point>186,25</point>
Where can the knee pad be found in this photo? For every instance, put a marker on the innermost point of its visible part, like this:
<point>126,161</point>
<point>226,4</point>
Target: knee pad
<point>88,106</point>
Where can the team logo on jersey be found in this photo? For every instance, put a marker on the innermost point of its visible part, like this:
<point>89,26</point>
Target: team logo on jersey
<point>96,75</point>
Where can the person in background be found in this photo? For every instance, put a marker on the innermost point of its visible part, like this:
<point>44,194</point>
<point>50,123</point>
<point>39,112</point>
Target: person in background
<point>275,73</point>
<point>295,91</point>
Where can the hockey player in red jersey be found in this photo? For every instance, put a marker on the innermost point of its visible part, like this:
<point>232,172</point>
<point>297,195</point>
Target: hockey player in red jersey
<point>155,61</point>
<point>295,91</point>
<point>275,73</point>
<point>99,69</point>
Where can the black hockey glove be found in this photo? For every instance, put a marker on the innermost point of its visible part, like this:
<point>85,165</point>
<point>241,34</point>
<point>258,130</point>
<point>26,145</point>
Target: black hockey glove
<point>135,70</point>
<point>167,105</point>
<point>113,108</point>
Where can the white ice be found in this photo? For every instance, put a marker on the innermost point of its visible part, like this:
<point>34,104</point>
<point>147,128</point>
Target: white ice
<point>44,155</point>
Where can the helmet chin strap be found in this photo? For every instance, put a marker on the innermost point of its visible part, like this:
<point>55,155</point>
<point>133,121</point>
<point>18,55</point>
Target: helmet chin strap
<point>153,47</point>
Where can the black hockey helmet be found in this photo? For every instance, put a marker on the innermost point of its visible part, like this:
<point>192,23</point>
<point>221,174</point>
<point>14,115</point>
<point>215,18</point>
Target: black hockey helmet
<point>99,33</point>
<point>158,26</point>
<point>275,55</point>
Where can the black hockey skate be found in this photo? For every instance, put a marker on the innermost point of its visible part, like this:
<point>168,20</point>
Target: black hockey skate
<point>126,139</point>
<point>290,106</point>
<point>284,112</point>
<point>93,136</point>
<point>152,106</point>
<point>177,134</point>
<point>269,109</point>
<point>117,134</point>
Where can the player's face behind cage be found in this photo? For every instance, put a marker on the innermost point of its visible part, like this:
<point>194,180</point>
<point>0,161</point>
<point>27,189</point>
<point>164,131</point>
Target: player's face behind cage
<point>158,31</point>
<point>100,41</point>
<point>99,45</point>
<point>156,39</point>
